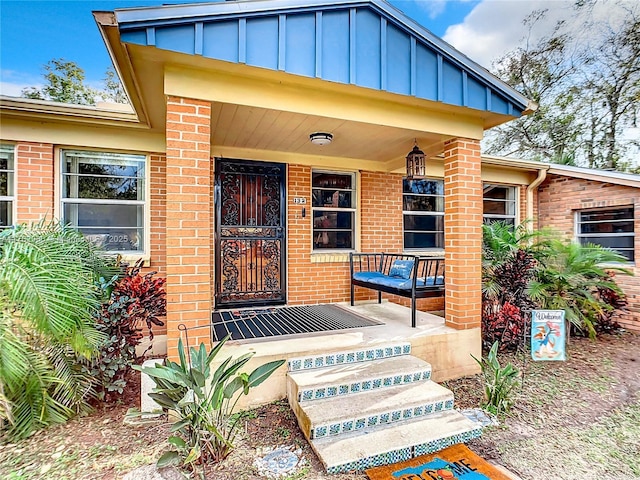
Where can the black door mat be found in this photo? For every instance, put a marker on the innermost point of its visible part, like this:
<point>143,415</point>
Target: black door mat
<point>272,322</point>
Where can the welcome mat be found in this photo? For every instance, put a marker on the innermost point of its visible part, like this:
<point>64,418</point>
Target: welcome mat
<point>453,463</point>
<point>276,321</point>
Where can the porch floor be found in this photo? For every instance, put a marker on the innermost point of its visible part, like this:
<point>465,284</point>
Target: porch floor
<point>446,349</point>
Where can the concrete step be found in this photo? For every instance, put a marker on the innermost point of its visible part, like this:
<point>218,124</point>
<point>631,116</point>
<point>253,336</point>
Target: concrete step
<point>339,415</point>
<point>349,356</point>
<point>383,445</point>
<point>350,379</point>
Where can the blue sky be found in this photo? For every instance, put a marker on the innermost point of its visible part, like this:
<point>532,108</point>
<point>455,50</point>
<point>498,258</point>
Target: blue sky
<point>33,32</point>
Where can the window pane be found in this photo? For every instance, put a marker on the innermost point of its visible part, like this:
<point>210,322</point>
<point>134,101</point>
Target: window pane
<point>6,184</point>
<point>115,239</point>
<point>490,220</point>
<point>329,239</point>
<point>605,215</point>
<point>96,215</point>
<point>497,207</point>
<point>332,198</point>
<point>423,186</point>
<point>6,219</point>
<point>415,203</point>
<point>333,220</point>
<point>614,242</point>
<point>332,180</point>
<point>104,188</point>
<point>423,240</point>
<point>6,163</point>
<point>498,192</point>
<point>424,222</point>
<point>608,227</point>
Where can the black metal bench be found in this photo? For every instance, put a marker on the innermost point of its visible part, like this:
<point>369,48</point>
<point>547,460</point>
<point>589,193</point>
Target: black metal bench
<point>409,276</point>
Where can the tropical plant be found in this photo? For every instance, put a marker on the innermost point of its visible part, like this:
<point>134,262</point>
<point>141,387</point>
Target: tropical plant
<point>500,383</point>
<point>48,274</point>
<point>509,263</point>
<point>575,278</point>
<point>134,301</point>
<point>203,401</point>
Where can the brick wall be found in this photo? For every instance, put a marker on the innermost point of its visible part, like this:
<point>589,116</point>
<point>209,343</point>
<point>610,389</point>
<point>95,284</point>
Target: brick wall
<point>380,212</point>
<point>573,194</point>
<point>188,219</point>
<point>463,232</point>
<point>34,186</point>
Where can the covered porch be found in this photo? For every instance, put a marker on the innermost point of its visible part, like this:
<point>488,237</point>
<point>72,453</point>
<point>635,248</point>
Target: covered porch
<point>238,88</point>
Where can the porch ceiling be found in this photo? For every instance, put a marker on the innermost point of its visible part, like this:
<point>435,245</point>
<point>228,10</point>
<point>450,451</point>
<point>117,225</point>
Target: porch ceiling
<point>242,127</point>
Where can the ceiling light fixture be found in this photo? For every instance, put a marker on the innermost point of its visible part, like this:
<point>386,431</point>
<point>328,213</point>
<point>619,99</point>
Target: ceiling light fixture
<point>321,138</point>
<point>416,162</point>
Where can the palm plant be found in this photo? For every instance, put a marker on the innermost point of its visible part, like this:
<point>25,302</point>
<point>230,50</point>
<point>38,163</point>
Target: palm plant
<point>48,292</point>
<point>571,278</point>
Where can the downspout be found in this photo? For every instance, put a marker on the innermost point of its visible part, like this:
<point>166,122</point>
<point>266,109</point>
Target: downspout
<point>542,175</point>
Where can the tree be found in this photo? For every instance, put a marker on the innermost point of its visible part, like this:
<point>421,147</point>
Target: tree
<point>48,277</point>
<point>113,90</point>
<point>65,83</point>
<point>587,88</point>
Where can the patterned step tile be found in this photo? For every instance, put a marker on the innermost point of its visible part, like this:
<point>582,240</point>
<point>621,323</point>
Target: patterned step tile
<point>348,357</point>
<point>399,455</point>
<point>370,384</point>
<point>382,418</point>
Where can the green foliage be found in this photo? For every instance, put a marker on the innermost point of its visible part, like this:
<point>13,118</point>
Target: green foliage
<point>135,301</point>
<point>500,383</point>
<point>64,83</point>
<point>586,87</point>
<point>113,90</point>
<point>572,278</point>
<point>203,401</point>
<point>47,299</point>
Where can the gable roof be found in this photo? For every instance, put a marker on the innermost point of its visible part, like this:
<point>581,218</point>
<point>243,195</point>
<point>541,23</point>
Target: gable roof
<point>367,43</point>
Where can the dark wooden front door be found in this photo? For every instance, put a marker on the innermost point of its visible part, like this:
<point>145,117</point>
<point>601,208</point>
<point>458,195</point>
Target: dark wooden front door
<point>250,233</point>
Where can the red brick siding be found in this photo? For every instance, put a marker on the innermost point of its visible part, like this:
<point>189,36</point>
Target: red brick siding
<point>188,219</point>
<point>34,186</point>
<point>463,232</point>
<point>558,200</point>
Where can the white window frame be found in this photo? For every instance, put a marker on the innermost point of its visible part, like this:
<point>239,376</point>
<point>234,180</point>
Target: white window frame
<point>144,251</point>
<point>580,237</point>
<point>10,151</point>
<point>433,213</point>
<point>353,209</point>
<point>497,217</point>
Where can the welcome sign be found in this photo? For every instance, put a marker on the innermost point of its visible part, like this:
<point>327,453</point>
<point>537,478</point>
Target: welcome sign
<point>548,335</point>
<point>453,463</point>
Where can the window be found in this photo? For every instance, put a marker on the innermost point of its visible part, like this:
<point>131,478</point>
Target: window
<point>7,172</point>
<point>333,204</point>
<point>423,213</point>
<point>611,228</point>
<point>103,196</point>
<point>499,203</point>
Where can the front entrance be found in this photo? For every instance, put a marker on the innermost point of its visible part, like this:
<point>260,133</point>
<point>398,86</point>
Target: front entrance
<point>250,233</point>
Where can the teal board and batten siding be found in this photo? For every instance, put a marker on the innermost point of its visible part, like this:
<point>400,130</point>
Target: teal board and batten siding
<point>368,44</point>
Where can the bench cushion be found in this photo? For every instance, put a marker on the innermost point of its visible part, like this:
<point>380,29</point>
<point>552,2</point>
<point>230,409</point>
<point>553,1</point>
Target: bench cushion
<point>401,269</point>
<point>367,276</point>
<point>377,278</point>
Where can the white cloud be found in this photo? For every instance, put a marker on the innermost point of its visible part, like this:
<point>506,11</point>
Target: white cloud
<point>495,27</point>
<point>433,7</point>
<point>12,82</point>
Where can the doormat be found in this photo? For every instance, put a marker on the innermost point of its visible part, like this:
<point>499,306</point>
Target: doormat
<point>453,463</point>
<point>277,321</point>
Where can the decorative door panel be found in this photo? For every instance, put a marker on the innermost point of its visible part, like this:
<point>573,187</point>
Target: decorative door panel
<point>250,233</point>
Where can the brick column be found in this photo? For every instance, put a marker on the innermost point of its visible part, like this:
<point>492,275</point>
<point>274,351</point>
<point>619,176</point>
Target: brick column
<point>188,223</point>
<point>34,173</point>
<point>463,233</point>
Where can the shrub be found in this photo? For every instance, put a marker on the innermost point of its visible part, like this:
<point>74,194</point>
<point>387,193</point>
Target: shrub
<point>135,301</point>
<point>506,326</point>
<point>203,402</point>
<point>500,383</point>
<point>48,273</point>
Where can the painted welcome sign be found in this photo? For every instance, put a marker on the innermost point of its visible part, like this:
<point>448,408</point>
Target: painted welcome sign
<point>438,469</point>
<point>548,335</point>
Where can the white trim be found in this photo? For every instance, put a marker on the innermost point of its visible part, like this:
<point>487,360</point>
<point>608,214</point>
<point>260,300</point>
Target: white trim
<point>13,198</point>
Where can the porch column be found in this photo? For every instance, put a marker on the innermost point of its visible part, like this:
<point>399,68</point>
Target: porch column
<point>463,233</point>
<point>189,196</point>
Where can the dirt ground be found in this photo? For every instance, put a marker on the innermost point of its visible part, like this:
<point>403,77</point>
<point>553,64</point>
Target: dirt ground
<point>573,420</point>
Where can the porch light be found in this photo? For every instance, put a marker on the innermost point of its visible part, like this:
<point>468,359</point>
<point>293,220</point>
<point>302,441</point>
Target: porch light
<point>416,163</point>
<point>321,138</point>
